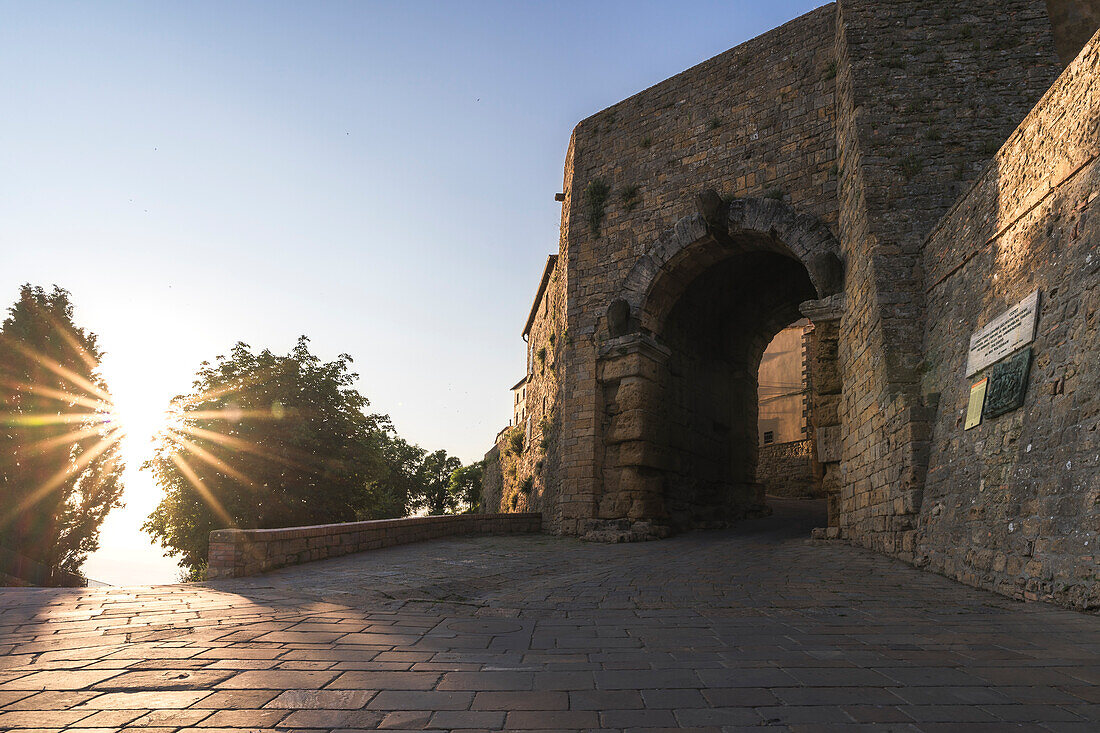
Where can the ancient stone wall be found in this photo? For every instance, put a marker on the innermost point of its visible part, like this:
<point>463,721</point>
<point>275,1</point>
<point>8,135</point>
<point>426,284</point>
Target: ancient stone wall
<point>236,553</point>
<point>1074,23</point>
<point>755,120</point>
<point>800,174</point>
<point>1014,504</point>
<point>787,469</point>
<point>926,92</point>
<point>520,469</point>
<point>492,478</point>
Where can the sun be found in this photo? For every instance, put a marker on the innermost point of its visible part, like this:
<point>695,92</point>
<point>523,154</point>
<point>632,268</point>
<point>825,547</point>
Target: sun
<point>140,407</point>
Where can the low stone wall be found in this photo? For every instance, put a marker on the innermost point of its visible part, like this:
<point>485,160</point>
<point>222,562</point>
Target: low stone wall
<point>16,570</point>
<point>235,553</point>
<point>787,469</point>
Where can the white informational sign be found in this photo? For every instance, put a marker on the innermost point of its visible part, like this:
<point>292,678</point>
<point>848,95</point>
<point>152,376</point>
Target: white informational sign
<point>1003,335</point>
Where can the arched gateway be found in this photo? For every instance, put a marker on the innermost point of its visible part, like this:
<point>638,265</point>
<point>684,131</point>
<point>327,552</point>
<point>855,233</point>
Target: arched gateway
<point>835,168</point>
<point>678,373</point>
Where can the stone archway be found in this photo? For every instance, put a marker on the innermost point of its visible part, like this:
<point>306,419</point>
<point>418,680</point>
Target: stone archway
<point>677,373</point>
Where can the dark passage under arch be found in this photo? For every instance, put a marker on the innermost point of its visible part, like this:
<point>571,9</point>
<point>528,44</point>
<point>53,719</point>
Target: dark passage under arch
<point>716,333</point>
<point>679,375</point>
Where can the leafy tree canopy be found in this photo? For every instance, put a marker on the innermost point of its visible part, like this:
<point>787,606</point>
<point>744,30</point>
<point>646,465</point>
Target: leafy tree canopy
<point>60,463</point>
<point>466,486</point>
<point>266,441</point>
<point>435,493</point>
<point>395,491</point>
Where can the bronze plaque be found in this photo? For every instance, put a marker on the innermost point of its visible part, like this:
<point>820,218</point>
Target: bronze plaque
<point>1007,384</point>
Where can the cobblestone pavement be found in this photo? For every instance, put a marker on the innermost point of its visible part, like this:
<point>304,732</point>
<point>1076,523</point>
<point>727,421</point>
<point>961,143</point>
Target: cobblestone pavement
<point>755,626</point>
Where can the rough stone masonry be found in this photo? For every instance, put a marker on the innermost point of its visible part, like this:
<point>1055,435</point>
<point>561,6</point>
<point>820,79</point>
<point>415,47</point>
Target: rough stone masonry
<point>899,173</point>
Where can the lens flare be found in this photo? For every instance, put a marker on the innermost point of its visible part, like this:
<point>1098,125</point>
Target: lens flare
<point>86,406</point>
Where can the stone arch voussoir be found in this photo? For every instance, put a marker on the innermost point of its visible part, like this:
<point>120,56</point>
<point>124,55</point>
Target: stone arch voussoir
<point>750,224</point>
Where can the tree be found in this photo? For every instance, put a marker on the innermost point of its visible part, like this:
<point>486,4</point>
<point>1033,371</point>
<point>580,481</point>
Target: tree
<point>395,491</point>
<point>266,441</point>
<point>466,485</point>
<point>435,482</point>
<point>60,462</point>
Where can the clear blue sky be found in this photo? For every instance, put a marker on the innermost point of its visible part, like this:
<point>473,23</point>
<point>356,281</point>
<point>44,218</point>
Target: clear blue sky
<point>377,176</point>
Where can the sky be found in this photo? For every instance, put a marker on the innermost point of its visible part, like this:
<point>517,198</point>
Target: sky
<point>377,176</point>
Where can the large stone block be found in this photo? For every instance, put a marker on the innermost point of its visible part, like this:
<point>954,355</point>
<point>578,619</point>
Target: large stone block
<point>635,425</point>
<point>636,393</point>
<point>644,453</point>
<point>830,443</point>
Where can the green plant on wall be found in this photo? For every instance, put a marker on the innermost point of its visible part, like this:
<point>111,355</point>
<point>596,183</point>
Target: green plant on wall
<point>595,200</point>
<point>547,429</point>
<point>911,166</point>
<point>630,197</point>
<point>542,354</point>
<point>527,484</point>
<point>515,440</point>
<point>774,193</point>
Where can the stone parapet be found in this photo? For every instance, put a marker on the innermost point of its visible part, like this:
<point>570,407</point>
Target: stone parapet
<point>787,469</point>
<point>236,553</point>
<point>17,570</point>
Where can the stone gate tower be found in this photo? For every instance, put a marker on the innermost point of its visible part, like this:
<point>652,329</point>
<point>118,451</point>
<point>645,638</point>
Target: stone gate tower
<point>843,167</point>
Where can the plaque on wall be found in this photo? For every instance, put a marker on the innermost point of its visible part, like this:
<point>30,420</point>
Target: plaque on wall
<point>977,402</point>
<point>1007,385</point>
<point>1003,335</point>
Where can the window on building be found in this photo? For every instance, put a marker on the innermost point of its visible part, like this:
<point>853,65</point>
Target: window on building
<point>769,437</point>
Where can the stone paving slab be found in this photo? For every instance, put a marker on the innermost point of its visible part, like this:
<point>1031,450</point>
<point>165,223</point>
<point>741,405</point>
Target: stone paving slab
<point>751,628</point>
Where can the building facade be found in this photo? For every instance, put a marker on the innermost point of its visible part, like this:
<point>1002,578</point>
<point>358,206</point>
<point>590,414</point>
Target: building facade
<point>782,387</point>
<point>785,463</point>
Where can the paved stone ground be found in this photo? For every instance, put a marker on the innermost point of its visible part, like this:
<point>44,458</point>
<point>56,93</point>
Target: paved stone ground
<point>755,626</point>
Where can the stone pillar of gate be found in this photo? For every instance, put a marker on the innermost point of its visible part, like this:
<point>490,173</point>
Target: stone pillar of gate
<point>825,396</point>
<point>632,374</point>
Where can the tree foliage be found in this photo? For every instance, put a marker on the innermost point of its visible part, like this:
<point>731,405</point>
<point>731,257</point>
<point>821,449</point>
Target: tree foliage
<point>265,441</point>
<point>396,489</point>
<point>60,463</point>
<point>466,486</point>
<point>434,483</point>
